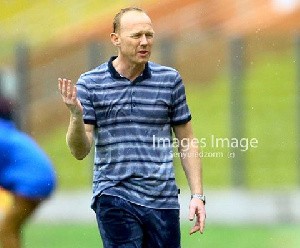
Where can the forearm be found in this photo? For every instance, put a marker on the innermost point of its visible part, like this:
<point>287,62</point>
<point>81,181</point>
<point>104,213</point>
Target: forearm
<point>191,163</point>
<point>77,139</point>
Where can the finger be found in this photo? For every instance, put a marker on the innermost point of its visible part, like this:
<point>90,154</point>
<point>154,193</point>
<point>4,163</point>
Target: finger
<point>59,83</point>
<point>202,222</point>
<point>202,225</point>
<point>194,229</point>
<point>69,91</point>
<point>74,95</point>
<point>63,87</point>
<point>192,212</point>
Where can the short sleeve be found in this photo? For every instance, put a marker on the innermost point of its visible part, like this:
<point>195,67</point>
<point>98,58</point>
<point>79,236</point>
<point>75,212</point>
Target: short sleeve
<point>179,112</point>
<point>83,94</point>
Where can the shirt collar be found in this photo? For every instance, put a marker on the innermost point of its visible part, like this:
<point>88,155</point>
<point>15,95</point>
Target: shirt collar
<point>145,75</point>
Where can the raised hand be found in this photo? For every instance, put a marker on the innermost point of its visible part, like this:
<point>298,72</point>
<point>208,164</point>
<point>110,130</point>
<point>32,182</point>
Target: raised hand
<point>68,92</point>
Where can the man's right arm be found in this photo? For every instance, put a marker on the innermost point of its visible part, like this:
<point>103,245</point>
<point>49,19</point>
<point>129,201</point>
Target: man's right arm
<point>79,136</point>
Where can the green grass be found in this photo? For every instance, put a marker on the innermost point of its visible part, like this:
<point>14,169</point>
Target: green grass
<point>271,116</point>
<point>221,236</point>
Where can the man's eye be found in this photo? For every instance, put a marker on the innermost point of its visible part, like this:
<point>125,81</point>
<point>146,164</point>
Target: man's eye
<point>136,36</point>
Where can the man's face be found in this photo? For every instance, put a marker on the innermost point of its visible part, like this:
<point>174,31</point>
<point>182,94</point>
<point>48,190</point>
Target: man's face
<point>135,37</point>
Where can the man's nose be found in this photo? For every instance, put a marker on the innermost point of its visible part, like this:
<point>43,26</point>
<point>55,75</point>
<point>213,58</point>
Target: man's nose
<point>144,40</point>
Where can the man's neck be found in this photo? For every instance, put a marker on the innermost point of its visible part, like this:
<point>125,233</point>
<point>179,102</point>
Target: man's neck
<point>125,69</point>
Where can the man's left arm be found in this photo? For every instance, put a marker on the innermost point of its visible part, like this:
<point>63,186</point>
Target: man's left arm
<point>191,163</point>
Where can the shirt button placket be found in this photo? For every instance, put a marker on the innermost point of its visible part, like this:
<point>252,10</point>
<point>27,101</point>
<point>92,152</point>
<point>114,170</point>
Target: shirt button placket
<point>133,104</point>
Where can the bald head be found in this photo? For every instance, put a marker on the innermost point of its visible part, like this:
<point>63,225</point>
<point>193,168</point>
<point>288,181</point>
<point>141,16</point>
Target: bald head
<point>117,20</point>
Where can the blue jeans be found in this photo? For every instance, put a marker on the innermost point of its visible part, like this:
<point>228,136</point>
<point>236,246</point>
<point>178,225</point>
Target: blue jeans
<point>126,225</point>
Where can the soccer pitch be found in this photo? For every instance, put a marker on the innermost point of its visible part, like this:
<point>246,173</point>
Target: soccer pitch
<point>240,236</point>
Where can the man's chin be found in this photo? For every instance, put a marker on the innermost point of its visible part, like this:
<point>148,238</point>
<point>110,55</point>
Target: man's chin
<point>143,60</point>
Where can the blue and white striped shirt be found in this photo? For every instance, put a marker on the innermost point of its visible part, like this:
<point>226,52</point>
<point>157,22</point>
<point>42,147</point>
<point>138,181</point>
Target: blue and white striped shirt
<point>129,118</point>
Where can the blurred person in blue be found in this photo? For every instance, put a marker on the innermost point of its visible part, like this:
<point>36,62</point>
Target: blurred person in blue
<point>26,172</point>
<point>130,105</point>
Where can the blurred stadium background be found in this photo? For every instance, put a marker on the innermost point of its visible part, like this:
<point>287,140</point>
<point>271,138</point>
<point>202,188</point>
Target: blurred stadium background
<point>240,61</point>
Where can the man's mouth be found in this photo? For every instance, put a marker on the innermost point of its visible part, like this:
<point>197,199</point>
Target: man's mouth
<point>143,52</point>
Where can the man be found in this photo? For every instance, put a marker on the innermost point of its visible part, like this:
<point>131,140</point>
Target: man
<point>131,104</point>
<point>26,172</point>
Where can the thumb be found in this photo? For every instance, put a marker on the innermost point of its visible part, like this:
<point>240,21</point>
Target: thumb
<point>191,213</point>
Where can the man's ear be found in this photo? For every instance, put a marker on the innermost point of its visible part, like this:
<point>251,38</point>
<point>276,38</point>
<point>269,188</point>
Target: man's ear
<point>115,39</point>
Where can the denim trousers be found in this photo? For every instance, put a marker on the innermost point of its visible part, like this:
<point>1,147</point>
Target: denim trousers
<point>123,224</point>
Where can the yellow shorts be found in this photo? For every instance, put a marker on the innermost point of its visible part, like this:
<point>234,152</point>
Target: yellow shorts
<point>5,200</point>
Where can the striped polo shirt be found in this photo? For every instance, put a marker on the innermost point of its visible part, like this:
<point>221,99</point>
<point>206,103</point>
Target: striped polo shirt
<point>133,135</point>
